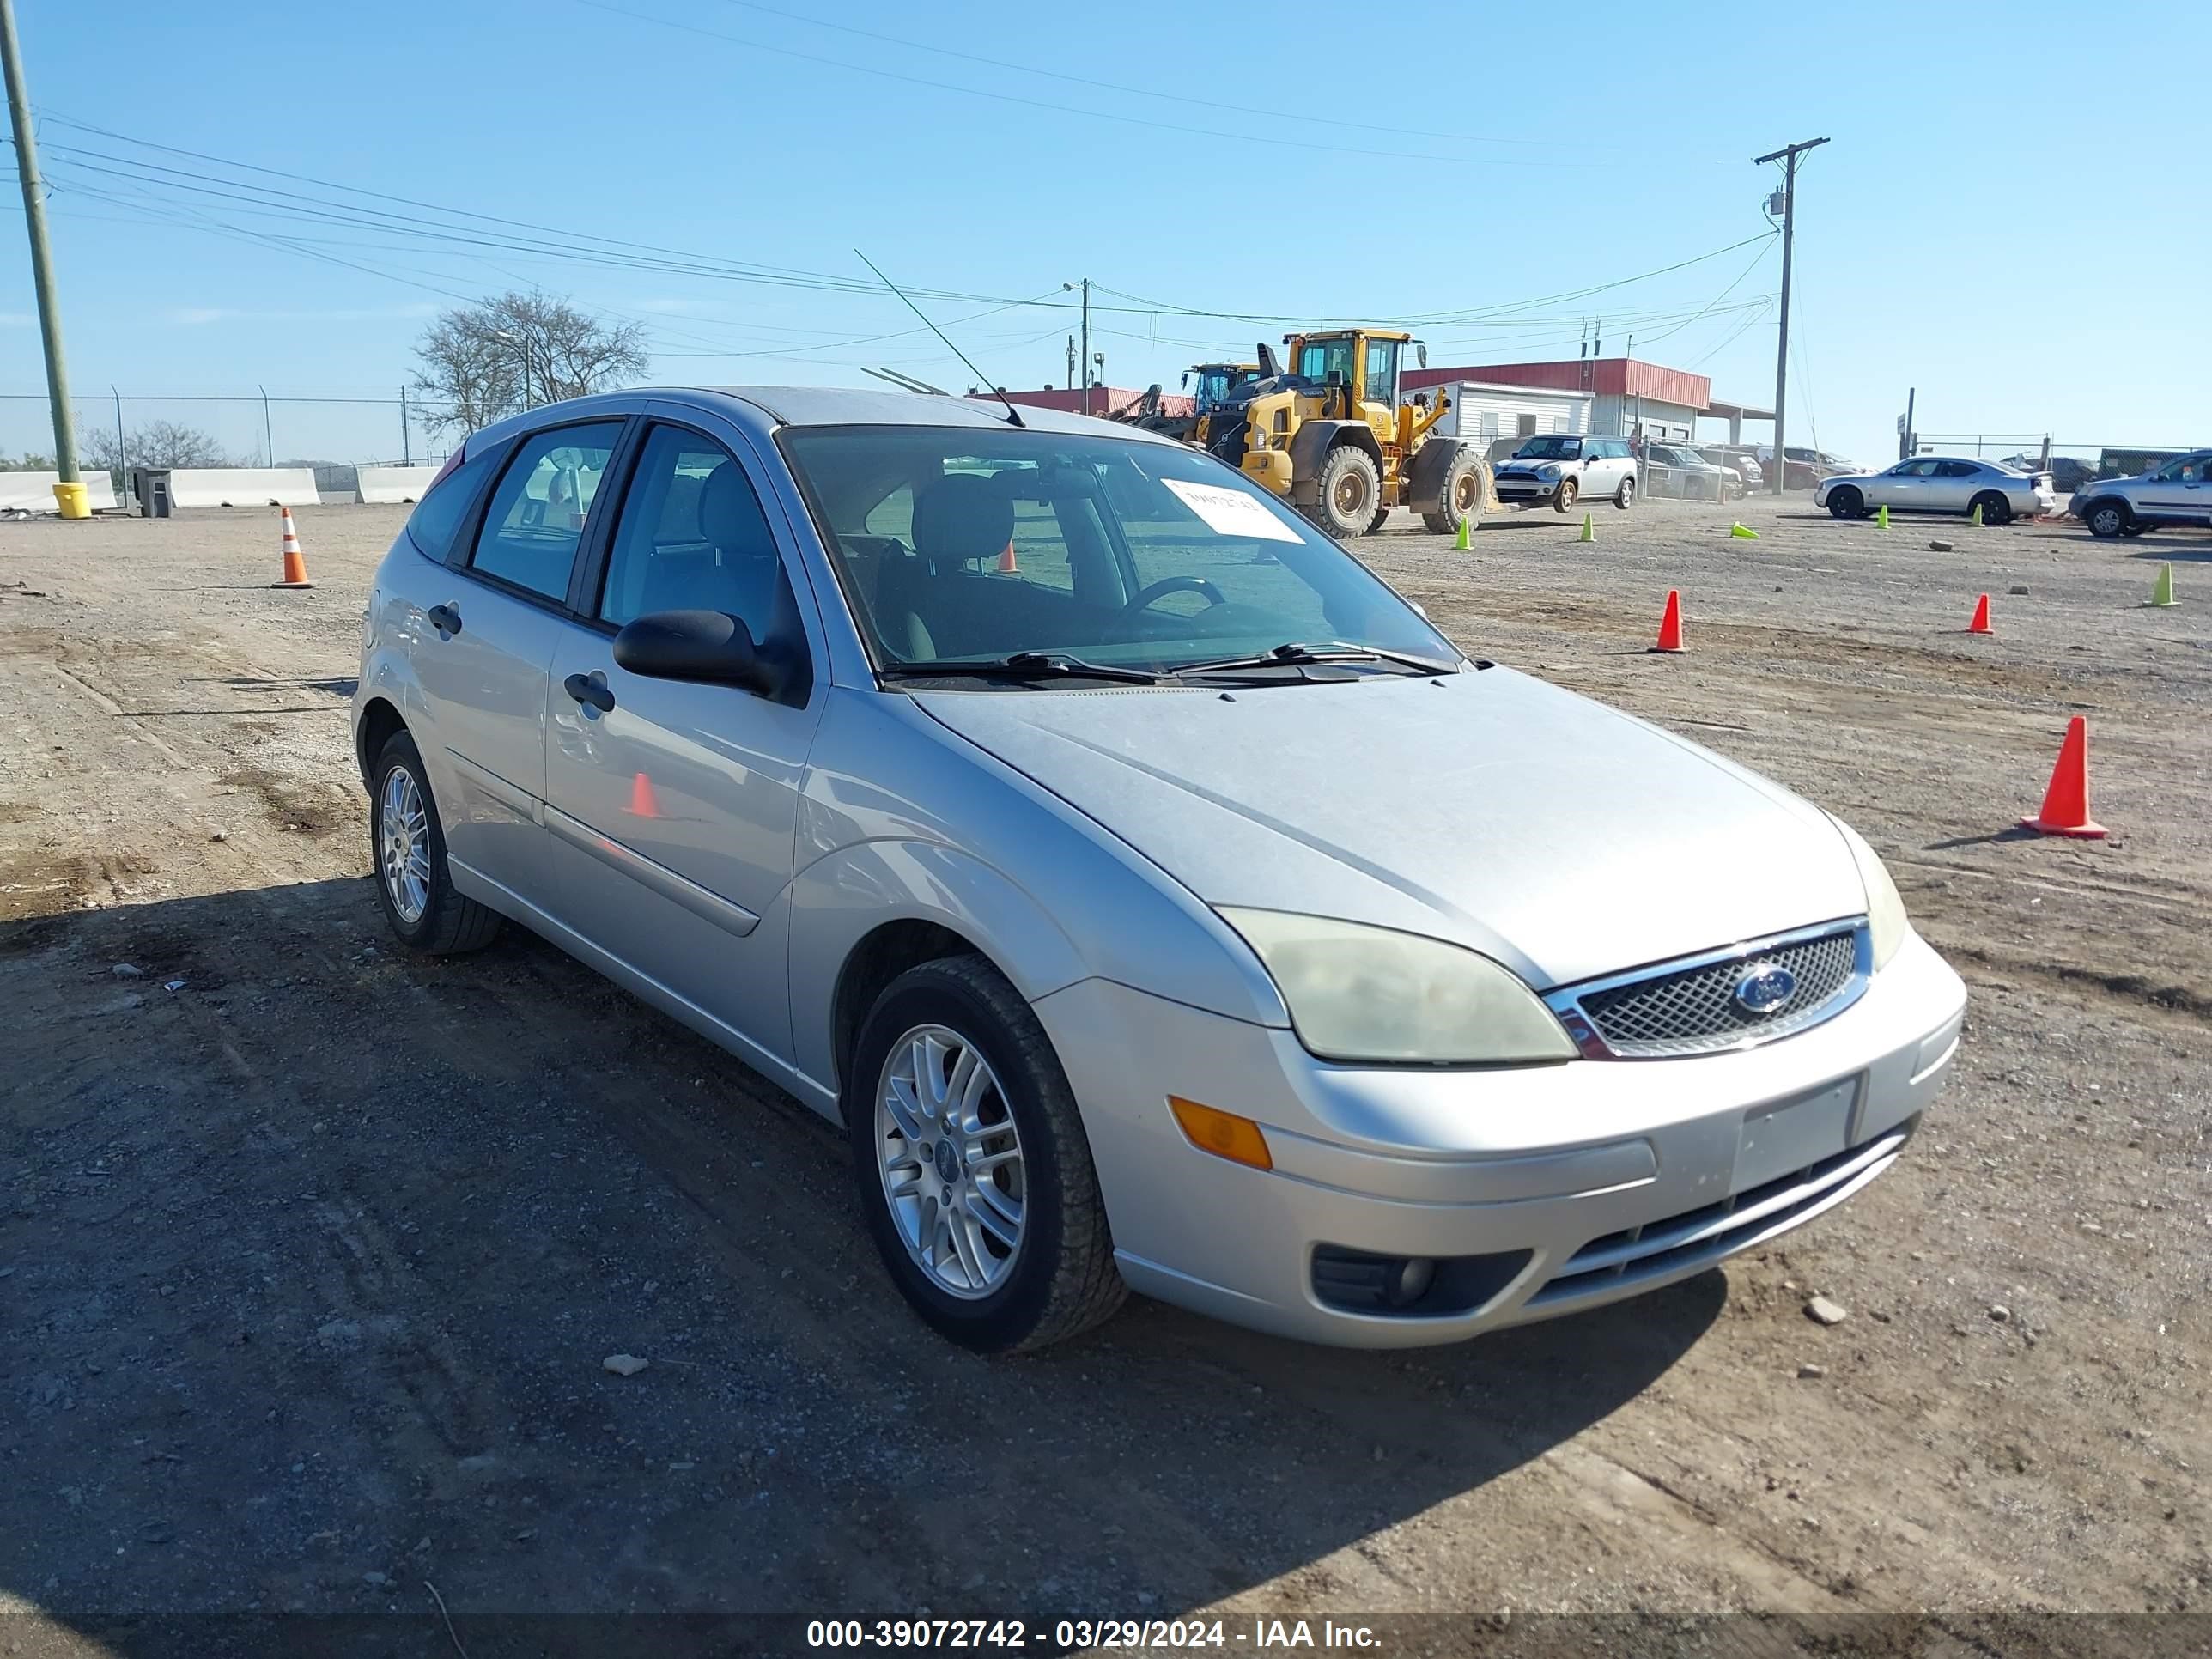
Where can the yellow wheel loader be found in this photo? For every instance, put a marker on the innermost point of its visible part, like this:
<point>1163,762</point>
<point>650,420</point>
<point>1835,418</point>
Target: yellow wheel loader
<point>1329,435</point>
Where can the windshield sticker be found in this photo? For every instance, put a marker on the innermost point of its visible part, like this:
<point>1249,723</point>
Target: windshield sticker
<point>1231,511</point>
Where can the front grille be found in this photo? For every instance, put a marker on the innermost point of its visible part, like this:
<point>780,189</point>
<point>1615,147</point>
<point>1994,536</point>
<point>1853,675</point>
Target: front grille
<point>1692,1009</point>
<point>1697,1238</point>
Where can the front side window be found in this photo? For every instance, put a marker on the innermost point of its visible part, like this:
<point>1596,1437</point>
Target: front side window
<point>537,512</point>
<point>1382,372</point>
<point>1326,362</point>
<point>692,537</point>
<point>953,544</point>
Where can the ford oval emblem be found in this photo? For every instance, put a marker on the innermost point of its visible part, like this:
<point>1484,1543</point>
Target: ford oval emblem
<point>1764,988</point>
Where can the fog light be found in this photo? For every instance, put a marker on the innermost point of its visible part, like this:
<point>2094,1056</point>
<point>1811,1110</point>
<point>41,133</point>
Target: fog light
<point>1410,1280</point>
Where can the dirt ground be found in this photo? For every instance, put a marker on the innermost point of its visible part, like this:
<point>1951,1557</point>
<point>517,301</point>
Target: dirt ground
<point>310,1251</point>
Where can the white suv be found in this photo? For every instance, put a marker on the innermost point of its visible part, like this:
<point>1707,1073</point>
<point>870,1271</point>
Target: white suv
<point>1559,467</point>
<point>2178,492</point>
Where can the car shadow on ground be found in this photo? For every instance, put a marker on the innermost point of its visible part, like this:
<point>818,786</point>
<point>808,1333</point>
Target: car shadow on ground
<point>2172,552</point>
<point>318,1248</point>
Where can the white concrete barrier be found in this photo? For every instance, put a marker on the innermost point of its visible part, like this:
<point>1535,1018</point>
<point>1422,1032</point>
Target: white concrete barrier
<point>384,485</point>
<point>33,492</point>
<point>244,486</point>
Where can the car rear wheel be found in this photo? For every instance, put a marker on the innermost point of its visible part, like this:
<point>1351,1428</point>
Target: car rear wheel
<point>1846,503</point>
<point>1563,499</point>
<point>1995,508</point>
<point>407,847</point>
<point>972,1165</point>
<point>2106,520</point>
<point>1625,497</point>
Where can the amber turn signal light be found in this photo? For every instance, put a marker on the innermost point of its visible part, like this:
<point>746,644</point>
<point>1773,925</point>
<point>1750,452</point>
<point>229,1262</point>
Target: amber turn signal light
<point>1223,1133</point>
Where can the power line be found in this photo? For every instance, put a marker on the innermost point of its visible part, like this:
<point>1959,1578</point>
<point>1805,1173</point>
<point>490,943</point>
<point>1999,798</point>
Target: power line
<point>1066,109</point>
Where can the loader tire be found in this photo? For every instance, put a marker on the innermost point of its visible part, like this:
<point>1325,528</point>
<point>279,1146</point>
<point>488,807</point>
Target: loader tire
<point>1459,500</point>
<point>1346,492</point>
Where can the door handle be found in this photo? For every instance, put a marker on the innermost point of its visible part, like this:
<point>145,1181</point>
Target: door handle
<point>445,619</point>
<point>584,688</point>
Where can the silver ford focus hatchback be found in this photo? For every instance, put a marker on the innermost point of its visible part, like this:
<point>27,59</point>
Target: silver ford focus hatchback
<point>1158,900</point>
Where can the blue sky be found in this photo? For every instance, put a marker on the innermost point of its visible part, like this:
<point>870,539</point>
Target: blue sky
<point>1998,221</point>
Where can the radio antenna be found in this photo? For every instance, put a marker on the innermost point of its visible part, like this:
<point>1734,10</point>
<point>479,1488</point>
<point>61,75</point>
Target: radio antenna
<point>1013,415</point>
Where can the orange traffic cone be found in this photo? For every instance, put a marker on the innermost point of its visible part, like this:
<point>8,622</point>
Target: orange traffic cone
<point>1981,621</point>
<point>295,563</point>
<point>1007,565</point>
<point>641,802</point>
<point>2066,803</point>
<point>1670,626</point>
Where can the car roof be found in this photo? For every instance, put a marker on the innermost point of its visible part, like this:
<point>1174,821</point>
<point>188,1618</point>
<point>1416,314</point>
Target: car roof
<point>764,408</point>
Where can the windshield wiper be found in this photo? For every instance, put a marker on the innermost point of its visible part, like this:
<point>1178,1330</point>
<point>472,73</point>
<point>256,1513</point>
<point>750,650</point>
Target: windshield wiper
<point>1022,665</point>
<point>1293,653</point>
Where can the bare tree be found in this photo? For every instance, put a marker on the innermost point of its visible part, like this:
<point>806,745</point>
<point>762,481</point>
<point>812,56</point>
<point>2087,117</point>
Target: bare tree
<point>157,443</point>
<point>483,363</point>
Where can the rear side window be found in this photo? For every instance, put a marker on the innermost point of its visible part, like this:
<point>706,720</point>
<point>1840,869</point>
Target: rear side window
<point>438,516</point>
<point>538,510</point>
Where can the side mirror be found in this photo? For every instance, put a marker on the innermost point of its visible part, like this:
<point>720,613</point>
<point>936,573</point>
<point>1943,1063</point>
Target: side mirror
<point>1421,353</point>
<point>707,646</point>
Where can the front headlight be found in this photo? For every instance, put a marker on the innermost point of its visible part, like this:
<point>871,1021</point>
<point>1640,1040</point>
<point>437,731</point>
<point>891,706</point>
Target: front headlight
<point>1373,993</point>
<point>1547,472</point>
<point>1886,916</point>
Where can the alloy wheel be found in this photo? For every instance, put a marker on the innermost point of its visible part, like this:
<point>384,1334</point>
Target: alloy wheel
<point>950,1160</point>
<point>403,837</point>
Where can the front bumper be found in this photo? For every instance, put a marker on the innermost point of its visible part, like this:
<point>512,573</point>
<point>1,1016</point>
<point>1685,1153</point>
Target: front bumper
<point>1522,488</point>
<point>1614,1177</point>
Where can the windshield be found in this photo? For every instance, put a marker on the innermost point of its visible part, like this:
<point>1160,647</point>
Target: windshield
<point>1552,447</point>
<point>1327,363</point>
<point>972,544</point>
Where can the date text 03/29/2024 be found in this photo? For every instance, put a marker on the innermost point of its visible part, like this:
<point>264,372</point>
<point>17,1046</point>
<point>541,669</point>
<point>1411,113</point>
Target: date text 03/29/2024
<point>1083,1634</point>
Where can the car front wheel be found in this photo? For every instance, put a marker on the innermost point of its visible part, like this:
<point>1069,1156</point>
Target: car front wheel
<point>1846,504</point>
<point>2106,520</point>
<point>1563,498</point>
<point>407,845</point>
<point>973,1168</point>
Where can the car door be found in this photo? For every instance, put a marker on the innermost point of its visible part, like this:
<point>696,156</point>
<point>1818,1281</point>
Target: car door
<point>1904,485</point>
<point>488,628</point>
<point>2178,491</point>
<point>1953,485</point>
<point>672,805</point>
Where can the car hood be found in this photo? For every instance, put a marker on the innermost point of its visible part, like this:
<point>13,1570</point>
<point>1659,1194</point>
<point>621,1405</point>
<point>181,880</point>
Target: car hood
<point>1549,832</point>
<point>1529,463</point>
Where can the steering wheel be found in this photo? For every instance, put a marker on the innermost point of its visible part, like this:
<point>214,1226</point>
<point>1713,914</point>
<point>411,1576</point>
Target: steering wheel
<point>1167,584</point>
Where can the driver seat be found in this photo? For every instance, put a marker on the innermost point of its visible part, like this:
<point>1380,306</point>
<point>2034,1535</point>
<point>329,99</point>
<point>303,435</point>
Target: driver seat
<point>959,518</point>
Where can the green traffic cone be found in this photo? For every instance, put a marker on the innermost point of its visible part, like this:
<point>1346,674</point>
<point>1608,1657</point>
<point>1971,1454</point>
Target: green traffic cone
<point>1743,532</point>
<point>2161,591</point>
<point>1460,541</point>
<point>1589,530</point>
<point>1975,517</point>
<point>1881,517</point>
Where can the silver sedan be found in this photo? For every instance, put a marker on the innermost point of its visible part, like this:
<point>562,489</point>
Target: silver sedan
<point>1940,484</point>
<point>1154,897</point>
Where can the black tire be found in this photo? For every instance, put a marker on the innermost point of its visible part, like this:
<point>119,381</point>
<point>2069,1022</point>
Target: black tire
<point>1381,517</point>
<point>1346,493</point>
<point>1562,498</point>
<point>1459,500</point>
<point>1846,503</point>
<point>2108,518</point>
<point>2138,529</point>
<point>450,924</point>
<point>1995,508</point>
<point>1063,1280</point>
<point>1625,497</point>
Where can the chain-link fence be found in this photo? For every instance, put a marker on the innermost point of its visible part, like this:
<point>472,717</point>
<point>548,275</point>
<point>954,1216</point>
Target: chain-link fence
<point>2070,464</point>
<point>125,429</point>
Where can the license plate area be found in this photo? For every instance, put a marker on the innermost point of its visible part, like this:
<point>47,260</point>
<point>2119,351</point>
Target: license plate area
<point>1784,1138</point>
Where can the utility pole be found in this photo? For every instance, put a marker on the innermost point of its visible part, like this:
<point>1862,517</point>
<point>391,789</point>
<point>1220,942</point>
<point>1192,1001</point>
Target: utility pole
<point>406,435</point>
<point>1085,359</point>
<point>1788,156</point>
<point>42,272</point>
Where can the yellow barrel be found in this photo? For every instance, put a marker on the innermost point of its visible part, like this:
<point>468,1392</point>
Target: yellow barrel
<point>72,500</point>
